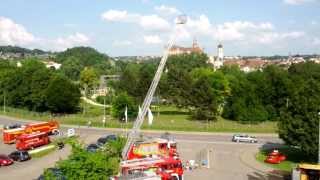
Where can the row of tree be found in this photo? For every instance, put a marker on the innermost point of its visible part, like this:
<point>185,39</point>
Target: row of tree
<point>34,87</point>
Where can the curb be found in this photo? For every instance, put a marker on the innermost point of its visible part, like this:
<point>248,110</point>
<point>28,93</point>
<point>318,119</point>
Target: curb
<point>35,151</point>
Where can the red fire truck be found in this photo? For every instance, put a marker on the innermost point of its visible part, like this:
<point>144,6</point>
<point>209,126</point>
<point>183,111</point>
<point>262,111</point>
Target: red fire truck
<point>158,146</point>
<point>164,168</point>
<point>10,135</point>
<point>30,141</point>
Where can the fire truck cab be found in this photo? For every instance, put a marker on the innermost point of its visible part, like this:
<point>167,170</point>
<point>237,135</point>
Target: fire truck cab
<point>51,127</point>
<point>10,135</point>
<point>30,141</point>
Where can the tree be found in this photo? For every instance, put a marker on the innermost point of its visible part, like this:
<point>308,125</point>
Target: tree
<point>177,75</point>
<point>62,95</point>
<point>88,79</point>
<point>129,80</point>
<point>71,67</point>
<point>208,92</point>
<point>120,103</point>
<point>298,124</point>
<point>82,164</point>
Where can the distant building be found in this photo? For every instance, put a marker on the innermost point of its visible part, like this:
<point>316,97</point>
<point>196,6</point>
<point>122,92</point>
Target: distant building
<point>52,64</point>
<point>177,50</point>
<point>217,61</point>
<point>220,52</point>
<point>247,65</point>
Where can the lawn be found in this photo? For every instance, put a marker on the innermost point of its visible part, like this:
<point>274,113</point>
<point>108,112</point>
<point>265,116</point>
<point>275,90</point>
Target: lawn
<point>165,118</point>
<point>294,157</point>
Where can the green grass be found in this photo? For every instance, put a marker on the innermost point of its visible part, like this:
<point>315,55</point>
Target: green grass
<point>165,118</point>
<point>294,157</point>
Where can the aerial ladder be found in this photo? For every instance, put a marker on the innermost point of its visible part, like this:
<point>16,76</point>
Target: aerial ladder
<point>135,131</point>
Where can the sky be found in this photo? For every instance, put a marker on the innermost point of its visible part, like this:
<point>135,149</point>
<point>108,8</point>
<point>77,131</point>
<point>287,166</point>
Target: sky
<point>143,27</point>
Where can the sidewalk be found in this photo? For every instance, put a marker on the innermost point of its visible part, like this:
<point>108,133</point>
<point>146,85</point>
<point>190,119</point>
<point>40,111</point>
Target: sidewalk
<point>145,131</point>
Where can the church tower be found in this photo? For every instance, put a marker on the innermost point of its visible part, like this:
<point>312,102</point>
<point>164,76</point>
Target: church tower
<point>220,52</point>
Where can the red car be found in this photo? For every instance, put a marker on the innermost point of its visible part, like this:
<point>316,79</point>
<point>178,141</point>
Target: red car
<point>275,157</point>
<point>5,160</point>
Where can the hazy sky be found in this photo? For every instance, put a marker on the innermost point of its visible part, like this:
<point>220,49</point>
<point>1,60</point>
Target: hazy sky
<point>142,27</point>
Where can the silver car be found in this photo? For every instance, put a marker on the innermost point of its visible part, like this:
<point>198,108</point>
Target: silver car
<point>244,138</point>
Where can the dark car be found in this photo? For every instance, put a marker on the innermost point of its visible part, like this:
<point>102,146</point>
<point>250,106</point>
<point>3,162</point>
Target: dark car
<point>12,126</point>
<point>20,156</point>
<point>55,172</point>
<point>5,160</point>
<point>92,147</point>
<point>103,140</point>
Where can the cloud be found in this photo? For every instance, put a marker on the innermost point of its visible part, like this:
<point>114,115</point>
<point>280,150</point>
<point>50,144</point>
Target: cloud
<point>234,31</point>
<point>154,22</point>
<point>62,43</point>
<point>167,10</point>
<point>152,39</point>
<point>14,34</point>
<point>115,15</point>
<point>271,37</point>
<point>148,22</point>
<point>297,2</point>
<point>314,22</point>
<point>121,43</point>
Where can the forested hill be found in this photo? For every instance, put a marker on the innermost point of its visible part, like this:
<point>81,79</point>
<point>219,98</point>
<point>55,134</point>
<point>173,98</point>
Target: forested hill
<point>17,49</point>
<point>74,60</point>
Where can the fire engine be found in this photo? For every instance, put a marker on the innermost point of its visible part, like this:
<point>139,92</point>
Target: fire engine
<point>10,135</point>
<point>165,168</point>
<point>30,141</point>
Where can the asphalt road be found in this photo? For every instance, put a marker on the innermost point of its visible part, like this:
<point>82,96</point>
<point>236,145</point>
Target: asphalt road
<point>225,157</point>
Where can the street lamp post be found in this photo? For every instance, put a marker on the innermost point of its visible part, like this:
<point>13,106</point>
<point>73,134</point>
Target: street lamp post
<point>319,138</point>
<point>104,112</point>
<point>4,102</point>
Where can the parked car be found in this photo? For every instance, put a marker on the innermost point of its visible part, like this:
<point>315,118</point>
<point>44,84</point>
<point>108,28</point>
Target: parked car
<point>105,139</point>
<point>5,160</point>
<point>55,172</point>
<point>92,147</point>
<point>20,156</point>
<point>12,126</point>
<point>275,157</point>
<point>244,138</point>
